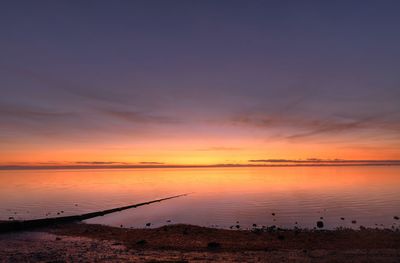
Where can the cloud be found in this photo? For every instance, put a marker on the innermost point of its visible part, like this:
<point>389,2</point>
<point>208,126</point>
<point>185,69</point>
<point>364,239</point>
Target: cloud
<point>71,90</point>
<point>21,122</point>
<point>140,117</point>
<point>32,113</point>
<point>325,161</point>
<point>99,163</point>
<point>18,122</point>
<point>219,149</point>
<point>293,127</point>
<point>334,126</point>
<point>152,163</point>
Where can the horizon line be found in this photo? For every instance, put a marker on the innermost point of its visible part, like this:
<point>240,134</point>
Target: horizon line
<point>267,163</point>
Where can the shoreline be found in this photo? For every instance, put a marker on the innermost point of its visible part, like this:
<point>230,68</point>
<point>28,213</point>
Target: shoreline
<point>189,243</point>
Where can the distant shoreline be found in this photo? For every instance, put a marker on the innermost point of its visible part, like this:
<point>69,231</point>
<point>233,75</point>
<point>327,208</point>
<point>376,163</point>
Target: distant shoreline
<point>74,167</point>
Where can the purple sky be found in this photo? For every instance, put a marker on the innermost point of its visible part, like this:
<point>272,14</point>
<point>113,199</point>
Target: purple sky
<point>237,77</point>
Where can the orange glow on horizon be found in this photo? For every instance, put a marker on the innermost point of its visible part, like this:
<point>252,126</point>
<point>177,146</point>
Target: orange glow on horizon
<point>185,153</point>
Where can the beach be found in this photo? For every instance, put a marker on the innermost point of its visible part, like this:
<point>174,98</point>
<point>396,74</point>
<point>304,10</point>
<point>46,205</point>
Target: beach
<point>79,242</point>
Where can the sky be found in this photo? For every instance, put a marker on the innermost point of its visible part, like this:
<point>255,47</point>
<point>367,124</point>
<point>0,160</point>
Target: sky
<point>198,82</point>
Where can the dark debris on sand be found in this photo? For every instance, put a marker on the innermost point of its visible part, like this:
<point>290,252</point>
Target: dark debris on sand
<point>268,244</point>
<point>195,237</point>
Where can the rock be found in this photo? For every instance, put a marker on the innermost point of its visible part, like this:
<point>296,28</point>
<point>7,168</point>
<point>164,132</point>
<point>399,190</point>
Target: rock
<point>148,224</point>
<point>321,217</point>
<point>396,217</point>
<point>257,230</point>
<point>342,218</point>
<point>141,242</point>
<point>58,238</point>
<point>213,245</point>
<point>273,214</point>
<point>354,221</point>
<point>168,221</point>
<point>237,226</point>
<point>254,225</point>
<point>11,218</point>
<point>320,224</point>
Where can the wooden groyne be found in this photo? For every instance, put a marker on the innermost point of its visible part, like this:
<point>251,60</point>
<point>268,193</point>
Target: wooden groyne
<point>17,225</point>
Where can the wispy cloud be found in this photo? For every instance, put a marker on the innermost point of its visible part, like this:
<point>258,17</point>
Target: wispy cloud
<point>140,117</point>
<point>334,126</point>
<point>30,112</point>
<point>296,127</point>
<point>98,162</point>
<point>221,148</point>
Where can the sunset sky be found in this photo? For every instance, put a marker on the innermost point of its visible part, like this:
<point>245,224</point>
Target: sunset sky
<point>198,82</point>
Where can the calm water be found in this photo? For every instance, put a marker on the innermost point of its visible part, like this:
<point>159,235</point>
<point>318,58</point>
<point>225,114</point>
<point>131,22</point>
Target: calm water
<point>220,198</point>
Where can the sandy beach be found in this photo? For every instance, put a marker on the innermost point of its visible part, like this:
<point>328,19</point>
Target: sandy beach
<point>78,242</point>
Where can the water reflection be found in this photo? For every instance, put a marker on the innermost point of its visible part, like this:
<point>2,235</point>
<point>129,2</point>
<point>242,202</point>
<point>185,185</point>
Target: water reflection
<point>221,196</point>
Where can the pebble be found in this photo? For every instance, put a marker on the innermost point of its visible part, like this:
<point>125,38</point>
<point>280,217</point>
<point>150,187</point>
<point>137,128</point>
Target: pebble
<point>213,245</point>
<point>141,242</point>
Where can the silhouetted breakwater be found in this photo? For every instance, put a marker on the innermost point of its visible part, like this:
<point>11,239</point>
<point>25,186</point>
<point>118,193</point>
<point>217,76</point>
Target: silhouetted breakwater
<point>7,226</point>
